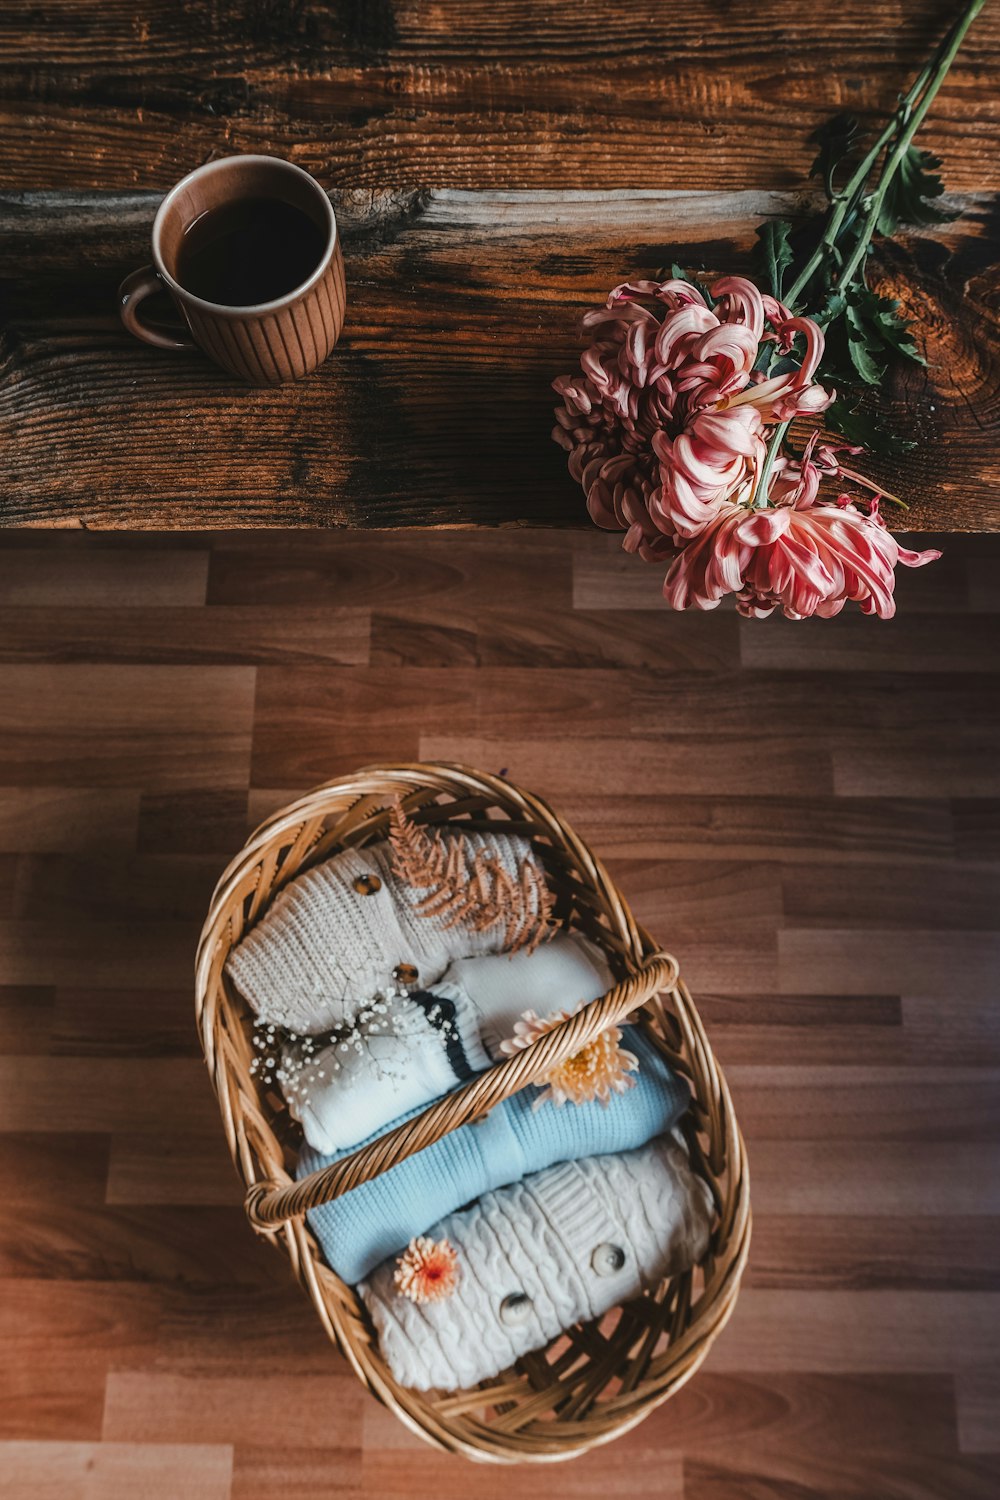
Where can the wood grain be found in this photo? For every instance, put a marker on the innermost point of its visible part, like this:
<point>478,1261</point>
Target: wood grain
<point>471,94</point>
<point>436,407</point>
<point>842,940</point>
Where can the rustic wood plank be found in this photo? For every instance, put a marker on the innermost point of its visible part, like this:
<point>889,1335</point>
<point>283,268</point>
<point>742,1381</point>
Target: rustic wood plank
<point>474,94</point>
<point>122,1023</point>
<point>436,407</point>
<point>897,895</point>
<point>261,1472</point>
<point>203,821</point>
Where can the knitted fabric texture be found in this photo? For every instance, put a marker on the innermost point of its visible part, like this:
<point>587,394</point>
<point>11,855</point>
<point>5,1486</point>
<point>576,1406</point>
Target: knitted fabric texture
<point>420,1050</point>
<point>561,1247</point>
<point>333,937</point>
<point>380,1217</point>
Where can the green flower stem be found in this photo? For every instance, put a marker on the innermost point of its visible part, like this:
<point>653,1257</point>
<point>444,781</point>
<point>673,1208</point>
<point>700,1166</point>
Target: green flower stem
<point>759,494</point>
<point>906,120</point>
<point>897,134</point>
<point>944,61</point>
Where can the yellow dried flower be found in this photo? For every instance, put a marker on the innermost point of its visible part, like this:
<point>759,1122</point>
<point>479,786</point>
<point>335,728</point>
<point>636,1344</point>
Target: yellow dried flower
<point>598,1070</point>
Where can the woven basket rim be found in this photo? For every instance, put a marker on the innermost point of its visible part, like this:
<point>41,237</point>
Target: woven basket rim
<point>300,832</point>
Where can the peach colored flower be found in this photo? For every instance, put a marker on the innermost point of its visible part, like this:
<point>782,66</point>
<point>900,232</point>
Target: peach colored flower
<point>427,1270</point>
<point>666,419</point>
<point>598,1070</point>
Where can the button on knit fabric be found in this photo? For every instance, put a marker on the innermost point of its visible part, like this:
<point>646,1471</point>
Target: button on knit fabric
<point>529,1248</point>
<point>380,1217</point>
<point>325,947</point>
<point>340,1095</point>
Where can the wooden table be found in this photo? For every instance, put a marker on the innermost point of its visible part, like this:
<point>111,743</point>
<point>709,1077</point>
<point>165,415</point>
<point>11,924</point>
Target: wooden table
<point>496,166</point>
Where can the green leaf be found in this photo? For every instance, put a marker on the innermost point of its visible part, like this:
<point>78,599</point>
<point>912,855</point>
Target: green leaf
<point>678,273</point>
<point>861,345</point>
<point>870,371</point>
<point>832,309</point>
<point>834,139</point>
<point>879,319</point>
<point>772,254</point>
<point>909,194</point>
<point>865,429</point>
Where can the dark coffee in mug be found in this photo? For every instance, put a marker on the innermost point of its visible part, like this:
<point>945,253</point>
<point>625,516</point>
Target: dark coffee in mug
<point>247,247</point>
<point>249,251</point>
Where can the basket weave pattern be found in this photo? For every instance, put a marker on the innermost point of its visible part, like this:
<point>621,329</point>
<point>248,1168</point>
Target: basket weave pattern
<point>599,1379</point>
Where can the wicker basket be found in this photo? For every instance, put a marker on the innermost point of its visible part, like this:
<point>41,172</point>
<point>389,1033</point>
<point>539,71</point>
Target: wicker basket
<point>599,1379</point>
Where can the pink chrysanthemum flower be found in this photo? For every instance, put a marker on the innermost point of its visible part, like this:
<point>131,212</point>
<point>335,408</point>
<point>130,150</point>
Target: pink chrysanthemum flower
<point>427,1270</point>
<point>798,554</point>
<point>666,420</point>
<point>598,1070</point>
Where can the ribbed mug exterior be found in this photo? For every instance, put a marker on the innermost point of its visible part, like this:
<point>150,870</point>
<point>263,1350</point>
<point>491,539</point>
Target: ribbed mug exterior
<point>267,348</point>
<point>265,344</point>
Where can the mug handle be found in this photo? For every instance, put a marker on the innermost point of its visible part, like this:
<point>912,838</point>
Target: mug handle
<point>134,290</point>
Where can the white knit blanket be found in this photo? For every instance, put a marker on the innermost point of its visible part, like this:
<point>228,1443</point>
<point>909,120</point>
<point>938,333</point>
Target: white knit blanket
<point>562,1246</point>
<point>409,1053</point>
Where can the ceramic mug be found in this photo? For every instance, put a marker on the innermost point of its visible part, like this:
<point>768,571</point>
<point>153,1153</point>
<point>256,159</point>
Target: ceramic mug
<point>264,343</point>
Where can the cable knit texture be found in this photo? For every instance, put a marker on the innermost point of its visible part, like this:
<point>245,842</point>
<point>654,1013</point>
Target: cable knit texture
<point>563,1246</point>
<point>341,1095</point>
<point>380,1217</point>
<point>325,947</point>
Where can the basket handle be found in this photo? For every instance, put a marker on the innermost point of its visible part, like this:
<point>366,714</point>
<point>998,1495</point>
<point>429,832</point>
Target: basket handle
<point>269,1205</point>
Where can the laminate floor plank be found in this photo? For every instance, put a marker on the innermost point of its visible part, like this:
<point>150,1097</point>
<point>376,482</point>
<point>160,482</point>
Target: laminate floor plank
<point>56,581</point>
<point>831,1251</point>
<point>55,819</point>
<point>157,726</point>
<point>808,815</point>
<point>115,1471</point>
<point>852,1476</point>
<point>978,1399</point>
<point>226,635</point>
<point>860,1332</point>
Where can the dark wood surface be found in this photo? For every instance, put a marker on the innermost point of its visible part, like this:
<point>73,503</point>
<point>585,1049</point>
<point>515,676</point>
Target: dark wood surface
<point>471,149</point>
<point>807,814</point>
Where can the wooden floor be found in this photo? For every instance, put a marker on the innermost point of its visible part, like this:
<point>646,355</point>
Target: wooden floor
<point>809,815</point>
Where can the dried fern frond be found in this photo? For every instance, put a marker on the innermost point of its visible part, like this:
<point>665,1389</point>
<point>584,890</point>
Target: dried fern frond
<point>482,895</point>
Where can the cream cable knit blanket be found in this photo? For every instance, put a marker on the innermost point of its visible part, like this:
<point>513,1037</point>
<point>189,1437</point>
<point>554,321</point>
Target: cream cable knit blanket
<point>333,937</point>
<point>562,1246</point>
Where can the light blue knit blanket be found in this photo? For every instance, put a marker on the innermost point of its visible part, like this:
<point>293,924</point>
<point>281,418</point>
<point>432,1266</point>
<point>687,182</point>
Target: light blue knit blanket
<point>380,1217</point>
